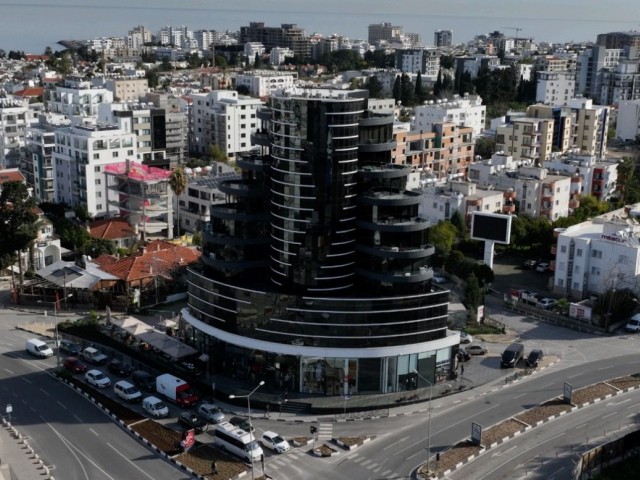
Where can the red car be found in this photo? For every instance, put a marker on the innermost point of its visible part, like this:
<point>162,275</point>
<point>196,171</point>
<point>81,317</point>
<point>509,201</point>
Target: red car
<point>74,365</point>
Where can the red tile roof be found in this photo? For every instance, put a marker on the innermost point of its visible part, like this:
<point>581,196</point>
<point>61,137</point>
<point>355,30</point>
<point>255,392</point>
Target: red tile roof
<point>111,229</point>
<point>12,175</point>
<point>30,92</point>
<point>160,258</point>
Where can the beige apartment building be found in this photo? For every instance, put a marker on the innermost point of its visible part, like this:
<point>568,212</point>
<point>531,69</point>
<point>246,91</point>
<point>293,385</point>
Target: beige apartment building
<point>526,138</point>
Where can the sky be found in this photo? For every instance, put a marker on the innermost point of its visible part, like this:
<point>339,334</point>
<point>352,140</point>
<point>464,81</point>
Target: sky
<point>34,24</point>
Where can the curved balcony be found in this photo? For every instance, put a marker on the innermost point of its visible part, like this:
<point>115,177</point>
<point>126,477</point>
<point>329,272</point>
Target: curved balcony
<point>255,163</point>
<point>376,121</point>
<point>421,275</point>
<point>222,264</point>
<point>398,252</point>
<point>369,147</point>
<point>232,239</point>
<point>391,224</point>
<point>264,114</point>
<point>386,197</point>
<point>230,213</point>
<point>391,170</point>
<point>239,188</point>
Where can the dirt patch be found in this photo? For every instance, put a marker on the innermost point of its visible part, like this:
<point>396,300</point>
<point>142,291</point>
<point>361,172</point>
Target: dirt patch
<point>351,441</point>
<point>624,383</point>
<point>543,412</point>
<point>301,441</point>
<point>324,451</point>
<point>162,437</point>
<point>199,460</point>
<point>460,452</point>
<point>501,430</point>
<point>44,329</point>
<point>586,394</point>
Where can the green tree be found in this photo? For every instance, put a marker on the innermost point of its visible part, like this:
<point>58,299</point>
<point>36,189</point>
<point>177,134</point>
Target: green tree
<point>374,85</point>
<point>397,89</point>
<point>485,146</point>
<point>178,183</point>
<point>627,186</point>
<point>457,220</point>
<point>18,221</point>
<point>443,236</point>
<point>472,295</point>
<point>217,154</point>
<point>437,87</point>
<point>420,92</point>
<point>407,91</point>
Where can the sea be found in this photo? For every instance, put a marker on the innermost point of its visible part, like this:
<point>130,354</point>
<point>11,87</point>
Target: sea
<point>31,26</point>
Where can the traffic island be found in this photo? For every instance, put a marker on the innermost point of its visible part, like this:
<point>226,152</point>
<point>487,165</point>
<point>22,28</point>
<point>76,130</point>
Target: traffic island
<point>503,431</point>
<point>324,450</point>
<point>351,443</point>
<point>301,441</point>
<point>450,460</point>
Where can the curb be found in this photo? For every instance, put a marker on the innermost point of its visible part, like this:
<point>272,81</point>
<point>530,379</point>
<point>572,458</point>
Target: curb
<point>352,447</point>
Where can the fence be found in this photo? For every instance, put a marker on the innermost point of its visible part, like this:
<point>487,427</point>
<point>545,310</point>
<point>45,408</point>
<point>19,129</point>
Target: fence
<point>591,463</point>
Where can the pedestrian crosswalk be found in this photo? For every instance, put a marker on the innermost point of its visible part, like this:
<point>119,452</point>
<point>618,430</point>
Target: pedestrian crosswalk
<point>325,431</point>
<point>372,465</point>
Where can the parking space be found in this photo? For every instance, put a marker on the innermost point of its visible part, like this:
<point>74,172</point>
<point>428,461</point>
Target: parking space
<point>510,273</point>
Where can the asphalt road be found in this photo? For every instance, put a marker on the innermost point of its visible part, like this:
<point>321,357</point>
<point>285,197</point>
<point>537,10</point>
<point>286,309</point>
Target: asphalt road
<point>68,431</point>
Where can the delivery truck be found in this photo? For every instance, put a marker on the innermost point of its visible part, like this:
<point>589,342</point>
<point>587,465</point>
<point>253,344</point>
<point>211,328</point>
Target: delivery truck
<point>176,390</point>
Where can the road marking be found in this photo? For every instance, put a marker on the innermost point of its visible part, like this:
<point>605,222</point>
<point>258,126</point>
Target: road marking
<point>94,432</point>
<point>9,371</point>
<point>518,396</point>
<point>620,402</point>
<point>28,381</point>
<point>555,436</point>
<point>62,405</point>
<point>45,392</point>
<point>606,368</point>
<point>78,418</point>
<point>396,443</point>
<point>582,425</point>
<point>609,415</point>
<point>506,451</point>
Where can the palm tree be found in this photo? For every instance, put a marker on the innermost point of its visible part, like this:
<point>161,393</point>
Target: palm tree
<point>178,184</point>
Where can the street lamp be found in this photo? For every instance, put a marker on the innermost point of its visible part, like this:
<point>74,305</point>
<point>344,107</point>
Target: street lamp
<point>428,420</point>
<point>55,314</point>
<point>248,397</point>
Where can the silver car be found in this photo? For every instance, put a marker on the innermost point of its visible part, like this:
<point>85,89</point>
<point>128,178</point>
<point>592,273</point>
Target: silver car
<point>211,413</point>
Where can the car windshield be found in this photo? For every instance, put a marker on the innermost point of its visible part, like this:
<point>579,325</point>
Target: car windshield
<point>252,446</point>
<point>43,347</point>
<point>278,439</point>
<point>159,405</point>
<point>186,393</point>
<point>99,376</point>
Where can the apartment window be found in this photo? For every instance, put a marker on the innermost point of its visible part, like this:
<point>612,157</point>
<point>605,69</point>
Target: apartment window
<point>560,282</point>
<point>114,154</point>
<point>129,152</point>
<point>98,181</point>
<point>563,249</point>
<point>96,168</point>
<point>96,156</point>
<point>596,254</point>
<point>99,206</point>
<point>595,270</point>
<point>623,259</point>
<point>576,269</point>
<point>98,194</point>
<point>576,286</point>
<point>579,252</point>
<point>528,206</point>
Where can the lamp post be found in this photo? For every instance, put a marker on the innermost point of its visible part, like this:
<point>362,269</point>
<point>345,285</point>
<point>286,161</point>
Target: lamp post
<point>248,397</point>
<point>428,420</point>
<point>55,314</point>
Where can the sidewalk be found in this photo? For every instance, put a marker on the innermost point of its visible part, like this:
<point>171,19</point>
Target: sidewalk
<point>18,461</point>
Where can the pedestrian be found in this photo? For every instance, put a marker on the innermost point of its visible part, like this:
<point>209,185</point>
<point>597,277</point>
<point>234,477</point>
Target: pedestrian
<point>286,396</point>
<point>214,468</point>
<point>266,411</point>
<point>461,370</point>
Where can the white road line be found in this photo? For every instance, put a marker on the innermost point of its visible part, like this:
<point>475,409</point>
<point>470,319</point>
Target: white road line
<point>606,368</point>
<point>621,402</point>
<point>24,379</point>
<point>415,455</point>
<point>582,425</point>
<point>518,396</point>
<point>94,432</point>
<point>499,454</point>
<point>45,392</point>
<point>609,415</point>
<point>396,443</point>
<point>366,462</point>
<point>62,405</point>
<point>9,371</point>
<point>137,467</point>
<point>78,418</point>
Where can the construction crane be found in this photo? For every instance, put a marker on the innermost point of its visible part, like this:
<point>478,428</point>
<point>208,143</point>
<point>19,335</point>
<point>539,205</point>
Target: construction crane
<point>517,29</point>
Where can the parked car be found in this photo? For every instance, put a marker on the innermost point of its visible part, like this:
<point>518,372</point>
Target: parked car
<point>97,379</point>
<point>535,357</point>
<point>94,356</point>
<point>512,355</point>
<point>465,337</point>
<point>144,381</point>
<point>69,347</point>
<point>530,264</point>
<point>275,442</point>
<point>119,368</point>
<point>211,412</point>
<point>127,391</point>
<point>463,355</point>
<point>242,423</point>
<point>190,420</point>
<point>476,350</point>
<point>74,365</point>
<point>633,325</point>
<point>542,267</point>
<point>155,407</point>
<point>547,303</point>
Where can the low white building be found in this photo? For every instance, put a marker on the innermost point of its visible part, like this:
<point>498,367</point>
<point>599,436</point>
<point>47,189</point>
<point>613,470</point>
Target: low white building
<point>598,255</point>
<point>441,202</point>
<point>251,49</point>
<point>278,55</point>
<point>78,98</point>
<point>628,124</point>
<point>596,176</point>
<point>466,111</point>
<point>262,83</point>
<point>555,88</point>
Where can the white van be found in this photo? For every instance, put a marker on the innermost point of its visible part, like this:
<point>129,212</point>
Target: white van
<point>127,391</point>
<point>633,325</point>
<point>38,348</point>
<point>237,441</point>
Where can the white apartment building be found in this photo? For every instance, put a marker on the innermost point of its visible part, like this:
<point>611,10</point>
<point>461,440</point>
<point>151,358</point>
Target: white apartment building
<point>628,123</point>
<point>441,202</point>
<point>555,88</point>
<point>538,194</point>
<point>466,111</point>
<point>77,98</point>
<point>127,89</point>
<point>278,55</point>
<point>224,118</point>
<point>15,117</point>
<point>37,166</point>
<point>620,83</point>
<point>251,49</point>
<point>262,83</point>
<point>592,123</point>
<point>591,64</point>
<point>423,60</point>
<point>109,46</point>
<point>81,153</point>
<point>598,255</point>
<point>591,174</point>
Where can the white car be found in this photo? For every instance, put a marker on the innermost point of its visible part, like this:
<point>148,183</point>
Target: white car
<point>547,303</point>
<point>97,379</point>
<point>465,337</point>
<point>542,267</point>
<point>211,413</point>
<point>155,407</point>
<point>275,442</point>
